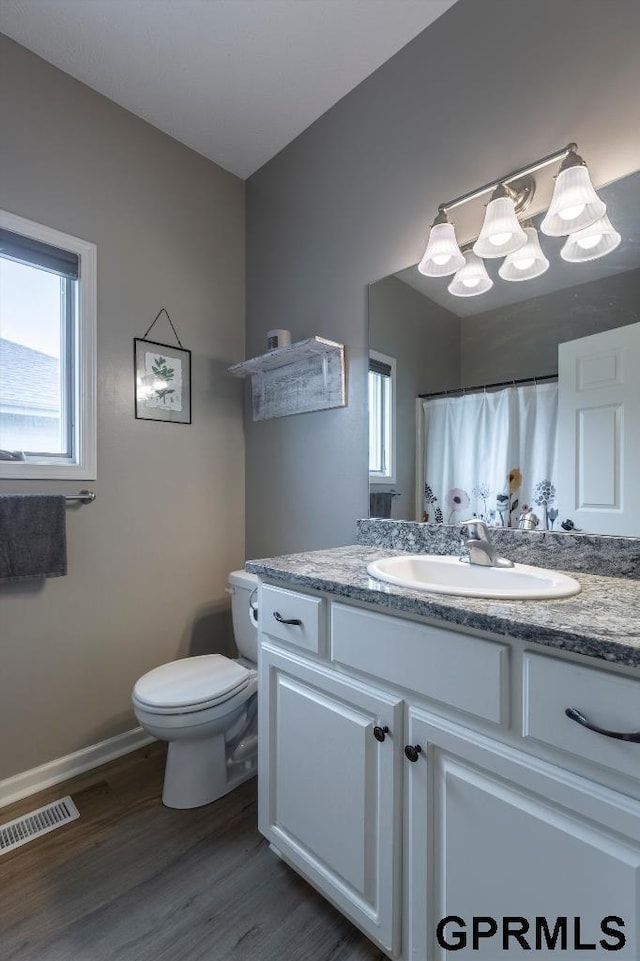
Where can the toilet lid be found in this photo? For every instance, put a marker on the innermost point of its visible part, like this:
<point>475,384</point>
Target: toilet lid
<point>191,681</point>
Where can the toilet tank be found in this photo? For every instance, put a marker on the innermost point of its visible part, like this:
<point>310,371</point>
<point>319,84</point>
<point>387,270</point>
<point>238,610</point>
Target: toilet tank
<point>245,630</point>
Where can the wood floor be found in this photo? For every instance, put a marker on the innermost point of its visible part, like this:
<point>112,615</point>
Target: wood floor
<point>134,881</point>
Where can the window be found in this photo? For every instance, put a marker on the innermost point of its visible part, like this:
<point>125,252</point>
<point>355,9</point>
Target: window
<point>382,391</point>
<point>47,352</point>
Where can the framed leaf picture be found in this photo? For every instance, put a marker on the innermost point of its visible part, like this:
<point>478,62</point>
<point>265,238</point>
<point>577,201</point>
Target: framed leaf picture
<point>162,382</point>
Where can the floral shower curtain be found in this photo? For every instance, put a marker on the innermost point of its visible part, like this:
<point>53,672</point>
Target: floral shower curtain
<point>492,455</point>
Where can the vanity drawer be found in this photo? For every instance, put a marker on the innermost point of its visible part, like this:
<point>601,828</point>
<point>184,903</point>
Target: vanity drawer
<point>467,673</point>
<point>276,605</point>
<point>608,700</point>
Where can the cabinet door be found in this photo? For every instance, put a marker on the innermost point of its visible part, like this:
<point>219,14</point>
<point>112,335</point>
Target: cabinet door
<point>329,790</point>
<point>495,834</point>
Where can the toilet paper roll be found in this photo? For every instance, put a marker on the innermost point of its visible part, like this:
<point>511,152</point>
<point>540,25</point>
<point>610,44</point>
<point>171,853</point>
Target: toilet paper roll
<point>278,338</point>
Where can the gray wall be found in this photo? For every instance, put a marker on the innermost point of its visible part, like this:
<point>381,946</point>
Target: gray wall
<point>522,340</point>
<point>148,560</point>
<point>424,338</point>
<point>478,93</point>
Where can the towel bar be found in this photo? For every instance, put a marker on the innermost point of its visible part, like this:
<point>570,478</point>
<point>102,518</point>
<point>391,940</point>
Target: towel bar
<point>84,497</point>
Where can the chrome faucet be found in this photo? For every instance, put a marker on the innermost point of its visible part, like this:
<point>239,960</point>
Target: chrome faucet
<point>481,550</point>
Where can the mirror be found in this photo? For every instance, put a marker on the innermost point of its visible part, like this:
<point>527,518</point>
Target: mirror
<point>464,345</point>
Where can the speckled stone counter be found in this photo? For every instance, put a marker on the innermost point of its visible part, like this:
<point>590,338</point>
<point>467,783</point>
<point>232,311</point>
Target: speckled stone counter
<point>602,621</point>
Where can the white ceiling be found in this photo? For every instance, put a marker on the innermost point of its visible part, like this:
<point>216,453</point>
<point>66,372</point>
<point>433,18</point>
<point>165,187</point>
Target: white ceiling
<point>236,80</point>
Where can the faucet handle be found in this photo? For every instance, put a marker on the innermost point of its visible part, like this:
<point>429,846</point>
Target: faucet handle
<point>481,529</point>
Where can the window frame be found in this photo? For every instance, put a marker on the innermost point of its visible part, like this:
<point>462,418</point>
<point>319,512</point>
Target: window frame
<point>389,476</point>
<point>83,462</point>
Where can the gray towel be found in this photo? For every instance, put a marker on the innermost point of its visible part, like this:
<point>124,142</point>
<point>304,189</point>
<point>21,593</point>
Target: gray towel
<point>33,540</point>
<point>380,504</point>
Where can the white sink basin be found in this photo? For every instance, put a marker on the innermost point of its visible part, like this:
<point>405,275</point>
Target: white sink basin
<point>449,575</point>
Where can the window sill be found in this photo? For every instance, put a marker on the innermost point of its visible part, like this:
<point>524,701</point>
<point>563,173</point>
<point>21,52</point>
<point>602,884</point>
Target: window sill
<point>32,470</point>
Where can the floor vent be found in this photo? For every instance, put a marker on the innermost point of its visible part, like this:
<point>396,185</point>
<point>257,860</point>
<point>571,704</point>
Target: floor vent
<point>35,823</point>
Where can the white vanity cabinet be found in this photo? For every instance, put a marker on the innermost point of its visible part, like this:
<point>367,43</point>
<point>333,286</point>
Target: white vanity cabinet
<point>456,812</point>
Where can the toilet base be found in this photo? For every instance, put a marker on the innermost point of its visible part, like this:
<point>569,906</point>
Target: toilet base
<point>211,751</point>
<point>200,771</point>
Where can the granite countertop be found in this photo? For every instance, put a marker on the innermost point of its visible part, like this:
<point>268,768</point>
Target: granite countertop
<point>602,621</point>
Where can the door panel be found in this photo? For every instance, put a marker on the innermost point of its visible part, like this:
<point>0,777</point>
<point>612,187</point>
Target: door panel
<point>506,853</point>
<point>329,790</point>
<point>598,430</point>
<point>325,751</point>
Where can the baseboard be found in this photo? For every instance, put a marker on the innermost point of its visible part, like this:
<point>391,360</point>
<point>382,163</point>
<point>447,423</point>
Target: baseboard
<point>38,778</point>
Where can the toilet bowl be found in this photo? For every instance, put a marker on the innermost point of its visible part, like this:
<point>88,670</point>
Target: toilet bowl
<point>205,707</point>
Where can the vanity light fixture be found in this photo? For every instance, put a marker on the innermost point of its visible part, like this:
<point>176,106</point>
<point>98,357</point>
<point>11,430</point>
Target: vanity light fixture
<point>595,241</point>
<point>576,211</point>
<point>575,204</point>
<point>527,262</point>
<point>442,256</point>
<point>472,279</point>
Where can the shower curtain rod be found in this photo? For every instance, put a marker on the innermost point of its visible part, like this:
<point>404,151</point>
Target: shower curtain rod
<point>483,388</point>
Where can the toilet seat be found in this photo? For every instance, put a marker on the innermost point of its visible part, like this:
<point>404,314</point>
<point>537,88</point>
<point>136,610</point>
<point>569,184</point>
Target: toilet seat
<point>191,684</point>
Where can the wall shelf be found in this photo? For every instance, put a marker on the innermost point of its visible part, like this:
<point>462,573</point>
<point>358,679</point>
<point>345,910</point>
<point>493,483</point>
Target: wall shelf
<point>283,356</point>
<point>303,377</point>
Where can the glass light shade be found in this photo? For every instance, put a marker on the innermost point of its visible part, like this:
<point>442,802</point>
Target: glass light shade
<point>501,233</point>
<point>527,262</point>
<point>442,256</point>
<point>574,205</point>
<point>472,279</point>
<point>595,241</point>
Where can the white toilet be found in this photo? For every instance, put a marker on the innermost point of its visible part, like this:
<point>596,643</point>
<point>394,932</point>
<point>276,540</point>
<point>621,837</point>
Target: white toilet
<point>206,708</point>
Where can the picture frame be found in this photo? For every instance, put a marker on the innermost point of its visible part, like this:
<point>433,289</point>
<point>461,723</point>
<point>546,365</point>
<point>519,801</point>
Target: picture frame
<point>162,381</point>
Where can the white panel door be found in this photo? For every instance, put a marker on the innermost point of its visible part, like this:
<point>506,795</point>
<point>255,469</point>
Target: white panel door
<point>599,431</point>
<point>329,790</point>
<point>497,835</point>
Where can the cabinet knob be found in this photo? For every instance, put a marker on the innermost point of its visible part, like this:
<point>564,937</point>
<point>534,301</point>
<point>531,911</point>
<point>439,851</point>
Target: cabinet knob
<point>412,752</point>
<point>294,621</point>
<point>380,732</point>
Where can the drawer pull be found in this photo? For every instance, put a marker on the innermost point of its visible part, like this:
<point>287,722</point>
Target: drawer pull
<point>412,752</point>
<point>575,715</point>
<point>380,732</point>
<point>293,621</point>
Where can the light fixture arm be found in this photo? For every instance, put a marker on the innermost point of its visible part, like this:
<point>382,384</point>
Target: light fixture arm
<point>564,152</point>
